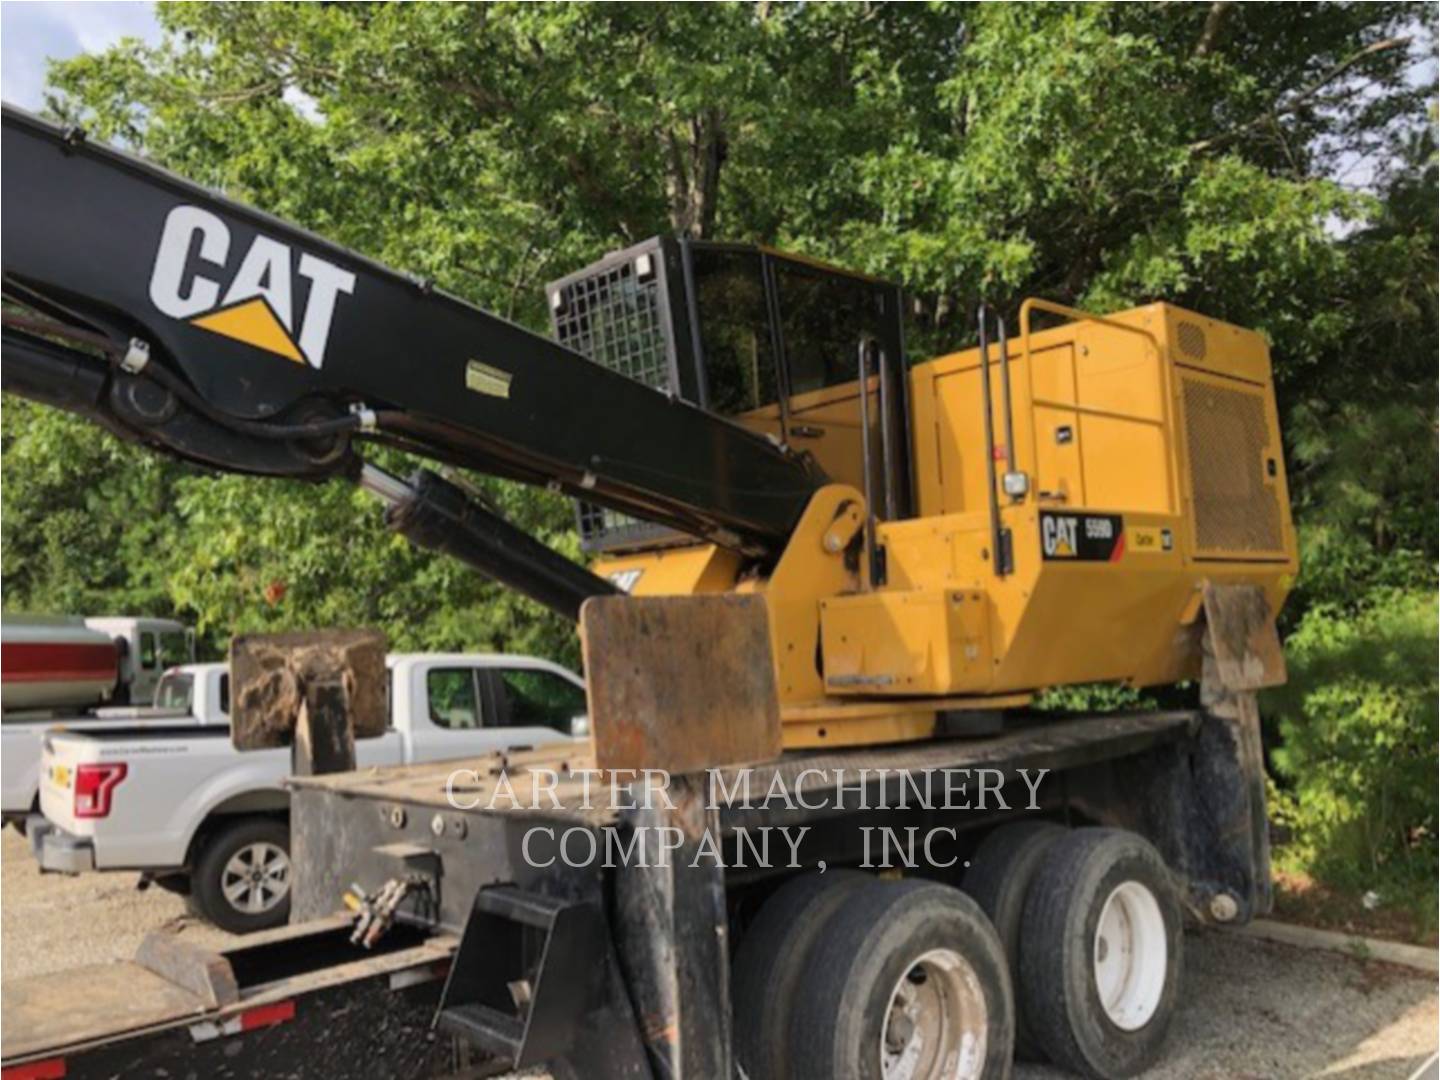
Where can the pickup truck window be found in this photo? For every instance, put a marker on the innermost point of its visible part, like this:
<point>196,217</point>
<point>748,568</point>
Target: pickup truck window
<point>535,698</point>
<point>175,691</point>
<point>452,698</point>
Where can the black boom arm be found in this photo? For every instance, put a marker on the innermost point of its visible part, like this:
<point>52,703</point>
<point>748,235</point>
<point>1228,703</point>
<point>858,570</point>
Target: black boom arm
<point>217,333</point>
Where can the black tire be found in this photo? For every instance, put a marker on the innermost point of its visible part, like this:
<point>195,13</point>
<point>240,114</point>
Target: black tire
<point>1058,985</point>
<point>765,976</point>
<point>998,879</point>
<point>209,880</point>
<point>870,944</point>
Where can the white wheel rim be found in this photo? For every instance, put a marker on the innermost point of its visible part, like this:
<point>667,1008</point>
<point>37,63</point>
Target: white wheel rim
<point>1131,955</point>
<point>936,1023</point>
<point>256,878</point>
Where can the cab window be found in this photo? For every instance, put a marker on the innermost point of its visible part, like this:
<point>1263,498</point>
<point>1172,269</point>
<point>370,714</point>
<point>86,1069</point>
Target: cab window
<point>148,651</point>
<point>453,701</point>
<point>740,369</point>
<point>536,698</point>
<point>823,317</point>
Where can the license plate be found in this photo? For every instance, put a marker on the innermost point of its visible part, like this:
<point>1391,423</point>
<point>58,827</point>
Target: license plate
<point>60,775</point>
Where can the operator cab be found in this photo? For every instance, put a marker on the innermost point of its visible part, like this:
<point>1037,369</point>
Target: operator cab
<point>770,340</point>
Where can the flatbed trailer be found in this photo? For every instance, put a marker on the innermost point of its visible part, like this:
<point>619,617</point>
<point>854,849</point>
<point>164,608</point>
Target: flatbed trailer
<point>519,959</point>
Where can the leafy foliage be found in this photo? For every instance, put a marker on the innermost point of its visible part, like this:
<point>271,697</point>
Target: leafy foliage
<point>1097,154</point>
<point>1359,730</point>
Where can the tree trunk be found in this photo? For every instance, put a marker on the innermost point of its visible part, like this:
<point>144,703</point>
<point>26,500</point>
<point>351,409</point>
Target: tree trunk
<point>692,183</point>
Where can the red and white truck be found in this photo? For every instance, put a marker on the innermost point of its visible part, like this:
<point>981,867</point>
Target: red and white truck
<point>76,672</point>
<point>62,663</point>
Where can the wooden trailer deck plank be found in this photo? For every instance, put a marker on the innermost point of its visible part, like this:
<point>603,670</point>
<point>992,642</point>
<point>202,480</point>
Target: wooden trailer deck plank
<point>1041,743</point>
<point>65,1008</point>
<point>476,783</point>
<point>1038,742</point>
<point>66,1011</point>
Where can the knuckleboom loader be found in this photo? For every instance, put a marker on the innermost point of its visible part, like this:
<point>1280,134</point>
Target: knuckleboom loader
<point>810,556</point>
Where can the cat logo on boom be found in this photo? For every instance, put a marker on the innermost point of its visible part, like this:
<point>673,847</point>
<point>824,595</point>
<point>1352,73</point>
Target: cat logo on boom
<point>255,303</point>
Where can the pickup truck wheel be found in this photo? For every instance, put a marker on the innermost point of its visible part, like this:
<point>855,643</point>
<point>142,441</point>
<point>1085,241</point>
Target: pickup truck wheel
<point>1100,953</point>
<point>765,978</point>
<point>242,877</point>
<point>907,982</point>
<point>998,879</point>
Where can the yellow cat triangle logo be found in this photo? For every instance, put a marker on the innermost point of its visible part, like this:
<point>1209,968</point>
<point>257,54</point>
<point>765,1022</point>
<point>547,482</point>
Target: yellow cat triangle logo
<point>1063,548</point>
<point>254,322</point>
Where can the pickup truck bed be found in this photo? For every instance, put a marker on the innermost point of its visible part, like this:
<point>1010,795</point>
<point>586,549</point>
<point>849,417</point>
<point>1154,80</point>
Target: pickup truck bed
<point>191,695</point>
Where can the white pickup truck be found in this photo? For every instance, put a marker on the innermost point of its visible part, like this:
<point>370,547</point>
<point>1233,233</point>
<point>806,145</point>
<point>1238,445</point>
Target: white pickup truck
<point>186,696</point>
<point>199,817</point>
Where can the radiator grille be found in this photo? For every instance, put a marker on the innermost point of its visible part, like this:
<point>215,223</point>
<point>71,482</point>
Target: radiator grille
<point>1236,507</point>
<point>1191,339</point>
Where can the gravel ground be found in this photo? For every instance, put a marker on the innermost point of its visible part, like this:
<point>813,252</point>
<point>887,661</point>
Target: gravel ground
<point>1250,1009</point>
<point>50,922</point>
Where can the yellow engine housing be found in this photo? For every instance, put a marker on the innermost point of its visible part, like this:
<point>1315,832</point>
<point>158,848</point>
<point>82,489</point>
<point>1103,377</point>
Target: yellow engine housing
<point>1152,459</point>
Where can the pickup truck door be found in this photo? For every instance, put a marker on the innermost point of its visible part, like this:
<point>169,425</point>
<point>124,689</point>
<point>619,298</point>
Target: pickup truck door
<point>473,710</point>
<point>534,705</point>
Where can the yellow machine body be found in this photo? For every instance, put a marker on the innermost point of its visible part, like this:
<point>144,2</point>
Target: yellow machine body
<point>1151,460</point>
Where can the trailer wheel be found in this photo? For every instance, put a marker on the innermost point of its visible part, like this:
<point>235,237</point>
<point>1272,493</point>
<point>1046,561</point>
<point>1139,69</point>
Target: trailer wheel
<point>999,877</point>
<point>765,978</point>
<point>908,983</point>
<point>1100,955</point>
<point>241,881</point>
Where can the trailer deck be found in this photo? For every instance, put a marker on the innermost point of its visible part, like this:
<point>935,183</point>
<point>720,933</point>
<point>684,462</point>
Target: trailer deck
<point>174,1000</point>
<point>104,1019</point>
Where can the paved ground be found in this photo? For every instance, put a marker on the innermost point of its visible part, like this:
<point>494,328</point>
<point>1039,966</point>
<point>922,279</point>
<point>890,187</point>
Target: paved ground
<point>1251,1009</point>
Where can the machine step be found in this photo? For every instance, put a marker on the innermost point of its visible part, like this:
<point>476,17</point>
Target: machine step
<point>517,905</point>
<point>525,975</point>
<point>487,1029</point>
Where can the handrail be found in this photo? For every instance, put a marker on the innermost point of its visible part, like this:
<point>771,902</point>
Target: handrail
<point>876,572</point>
<point>987,412</point>
<point>1005,396</point>
<point>888,453</point>
<point>1034,303</point>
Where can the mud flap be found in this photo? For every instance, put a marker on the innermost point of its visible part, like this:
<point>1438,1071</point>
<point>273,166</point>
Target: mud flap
<point>1242,654</point>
